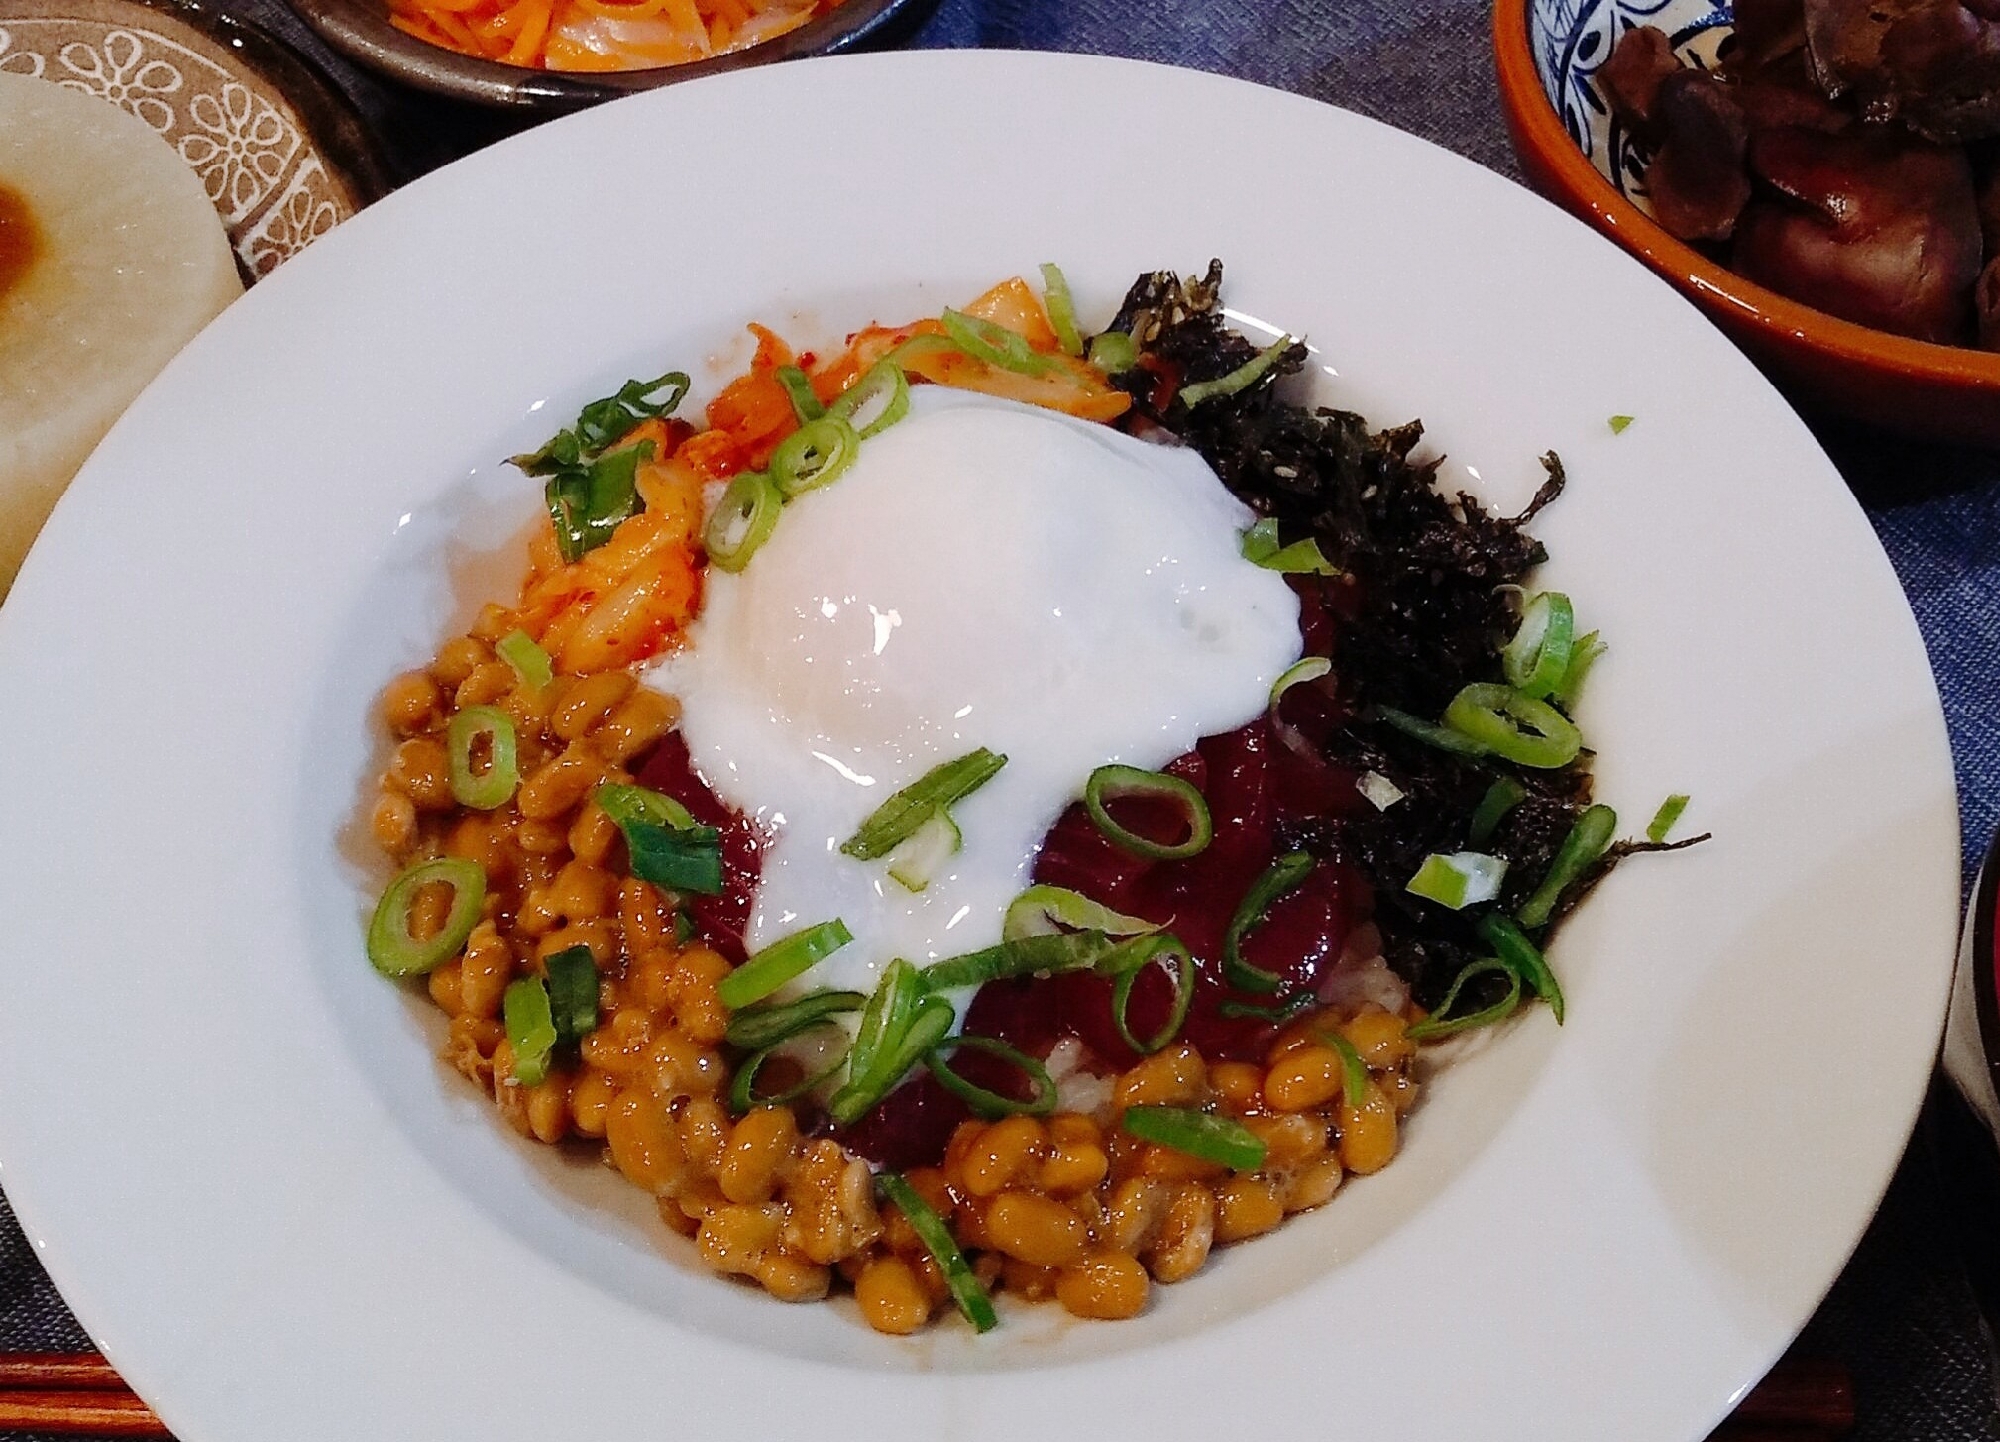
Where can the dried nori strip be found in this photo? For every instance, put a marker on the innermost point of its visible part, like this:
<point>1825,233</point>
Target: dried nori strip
<point>1422,600</point>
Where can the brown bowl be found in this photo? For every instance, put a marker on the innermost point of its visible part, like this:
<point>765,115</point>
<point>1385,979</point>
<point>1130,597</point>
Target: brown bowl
<point>361,30</point>
<point>1825,365</point>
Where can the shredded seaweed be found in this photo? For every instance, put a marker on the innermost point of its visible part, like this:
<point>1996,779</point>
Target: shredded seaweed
<point>1426,601</point>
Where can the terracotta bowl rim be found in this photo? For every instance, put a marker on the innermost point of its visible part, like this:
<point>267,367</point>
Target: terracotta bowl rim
<point>1577,183</point>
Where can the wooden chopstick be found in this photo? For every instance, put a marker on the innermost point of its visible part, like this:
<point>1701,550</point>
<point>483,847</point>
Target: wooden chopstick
<point>1800,1401</point>
<point>71,1392</point>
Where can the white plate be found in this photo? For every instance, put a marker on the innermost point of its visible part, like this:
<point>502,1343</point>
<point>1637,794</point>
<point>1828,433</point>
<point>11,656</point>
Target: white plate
<point>282,1218</point>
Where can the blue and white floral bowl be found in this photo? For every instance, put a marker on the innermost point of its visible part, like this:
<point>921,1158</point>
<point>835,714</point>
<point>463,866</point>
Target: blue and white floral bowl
<point>1548,54</point>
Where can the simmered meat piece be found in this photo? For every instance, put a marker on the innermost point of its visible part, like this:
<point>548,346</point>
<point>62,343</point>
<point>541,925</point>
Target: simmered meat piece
<point>1935,64</point>
<point>1630,79</point>
<point>1697,180</point>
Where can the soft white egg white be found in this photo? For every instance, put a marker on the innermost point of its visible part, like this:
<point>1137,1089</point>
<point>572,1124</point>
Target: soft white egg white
<point>985,574</point>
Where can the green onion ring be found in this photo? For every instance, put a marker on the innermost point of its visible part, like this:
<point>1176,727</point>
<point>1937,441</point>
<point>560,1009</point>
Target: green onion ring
<point>1517,727</point>
<point>781,961</point>
<point>1442,1023</point>
<point>1353,1070</point>
<point>1583,655</point>
<point>814,455</point>
<point>1664,819</point>
<point>391,948</point>
<point>743,1084</point>
<point>1501,797</point>
<point>1126,962</point>
<point>994,344</point>
<point>1047,910</point>
<point>898,818</point>
<point>1242,378</point>
<point>572,986</point>
<point>1282,876</point>
<point>1586,841</point>
<point>1277,1014</point>
<point>965,1288</point>
<point>1521,956</point>
<point>1537,659</point>
<point>1113,783</point>
<point>531,1029</point>
<point>483,791</point>
<point>1222,1140</point>
<point>1311,668</point>
<point>1114,352</point>
<point>742,520</point>
<point>1047,955</point>
<point>1061,307</point>
<point>530,662</point>
<point>805,401</point>
<point>987,1105</point>
<point>1442,737</point>
<point>853,401</point>
<point>758,1027</point>
<point>896,1053</point>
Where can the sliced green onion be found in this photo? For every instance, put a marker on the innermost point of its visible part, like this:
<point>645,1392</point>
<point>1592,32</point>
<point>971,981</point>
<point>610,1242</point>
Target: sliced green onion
<point>994,344</point>
<point>1050,910</point>
<point>1047,955</point>
<point>1537,659</point>
<point>965,1288</point>
<point>897,819</point>
<point>781,961</point>
<point>530,662</point>
<point>743,1083</point>
<point>1465,878</point>
<point>756,1027</point>
<point>1061,308</point>
<point>1116,783</point>
<point>1277,1013</point>
<point>606,422</point>
<point>590,501</point>
<point>1442,1023</point>
<point>1114,352</point>
<point>918,346</point>
<point>1500,798</point>
<point>1283,876</point>
<point>1522,957</point>
<point>391,947</point>
<point>742,520</point>
<point>684,928</point>
<point>1618,424</point>
<point>1382,793</point>
<point>1353,1070</point>
<point>891,1061</point>
<point>664,843</point>
<point>1442,737</point>
<point>1222,1140</point>
<point>1242,378</point>
<point>1520,728</point>
<point>1298,673</point>
<point>876,401</point>
<point>482,790</point>
<point>1583,655</point>
<point>531,1029</point>
<point>1586,841</point>
<point>805,401</point>
<point>572,987</point>
<point>990,1105</point>
<point>1665,818</point>
<point>887,1012</point>
<point>923,851</point>
<point>1301,558</point>
<point>814,455</point>
<point>1125,963</point>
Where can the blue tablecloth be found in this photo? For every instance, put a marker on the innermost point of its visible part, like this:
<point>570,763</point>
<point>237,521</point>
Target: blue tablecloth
<point>1901,1316</point>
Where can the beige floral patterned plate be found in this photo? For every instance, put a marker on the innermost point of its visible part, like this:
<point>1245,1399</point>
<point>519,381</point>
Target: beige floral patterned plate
<point>282,154</point>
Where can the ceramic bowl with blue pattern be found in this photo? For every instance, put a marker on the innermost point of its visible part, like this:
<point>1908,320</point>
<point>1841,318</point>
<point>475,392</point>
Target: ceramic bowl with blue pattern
<point>1548,54</point>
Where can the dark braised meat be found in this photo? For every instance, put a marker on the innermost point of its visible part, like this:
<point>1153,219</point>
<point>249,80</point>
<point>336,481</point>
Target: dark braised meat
<point>1697,179</point>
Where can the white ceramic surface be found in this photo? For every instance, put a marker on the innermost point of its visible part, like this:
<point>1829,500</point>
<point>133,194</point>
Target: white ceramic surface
<point>283,1218</point>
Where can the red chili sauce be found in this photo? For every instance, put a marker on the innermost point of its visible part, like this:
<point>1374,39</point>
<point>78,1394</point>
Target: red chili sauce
<point>1254,785</point>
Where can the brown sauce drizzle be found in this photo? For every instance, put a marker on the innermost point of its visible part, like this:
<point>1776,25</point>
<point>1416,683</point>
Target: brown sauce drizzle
<point>20,239</point>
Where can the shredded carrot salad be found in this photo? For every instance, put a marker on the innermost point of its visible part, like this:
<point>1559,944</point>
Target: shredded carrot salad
<point>600,34</point>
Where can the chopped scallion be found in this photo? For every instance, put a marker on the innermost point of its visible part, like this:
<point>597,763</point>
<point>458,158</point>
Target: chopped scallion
<point>1586,841</point>
<point>1443,1023</point>
<point>1353,1070</point>
<point>393,949</point>
<point>756,1027</point>
<point>664,843</point>
<point>1442,737</point>
<point>1514,726</point>
<point>994,344</point>
<point>1277,1013</point>
<point>891,1061</point>
<point>1222,1140</point>
<point>743,520</point>
<point>1665,818</point>
<point>1118,783</point>
<point>572,977</point>
<point>1465,878</point>
<point>897,819</point>
<point>1125,963</point>
<point>917,858</point>
<point>781,961</point>
<point>966,1289</point>
<point>482,787</point>
<point>814,455</point>
<point>1619,423</point>
<point>1501,797</point>
<point>1114,352</point>
<point>990,1105</point>
<point>1522,957</point>
<point>743,1082</point>
<point>1045,955</point>
<point>1282,877</point>
<point>1301,558</point>
<point>876,401</point>
<point>531,1029</point>
<point>1537,659</point>
<point>1240,379</point>
<point>530,662</point>
<point>1583,655</point>
<point>1297,674</point>
<point>1061,307</point>
<point>806,404</point>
